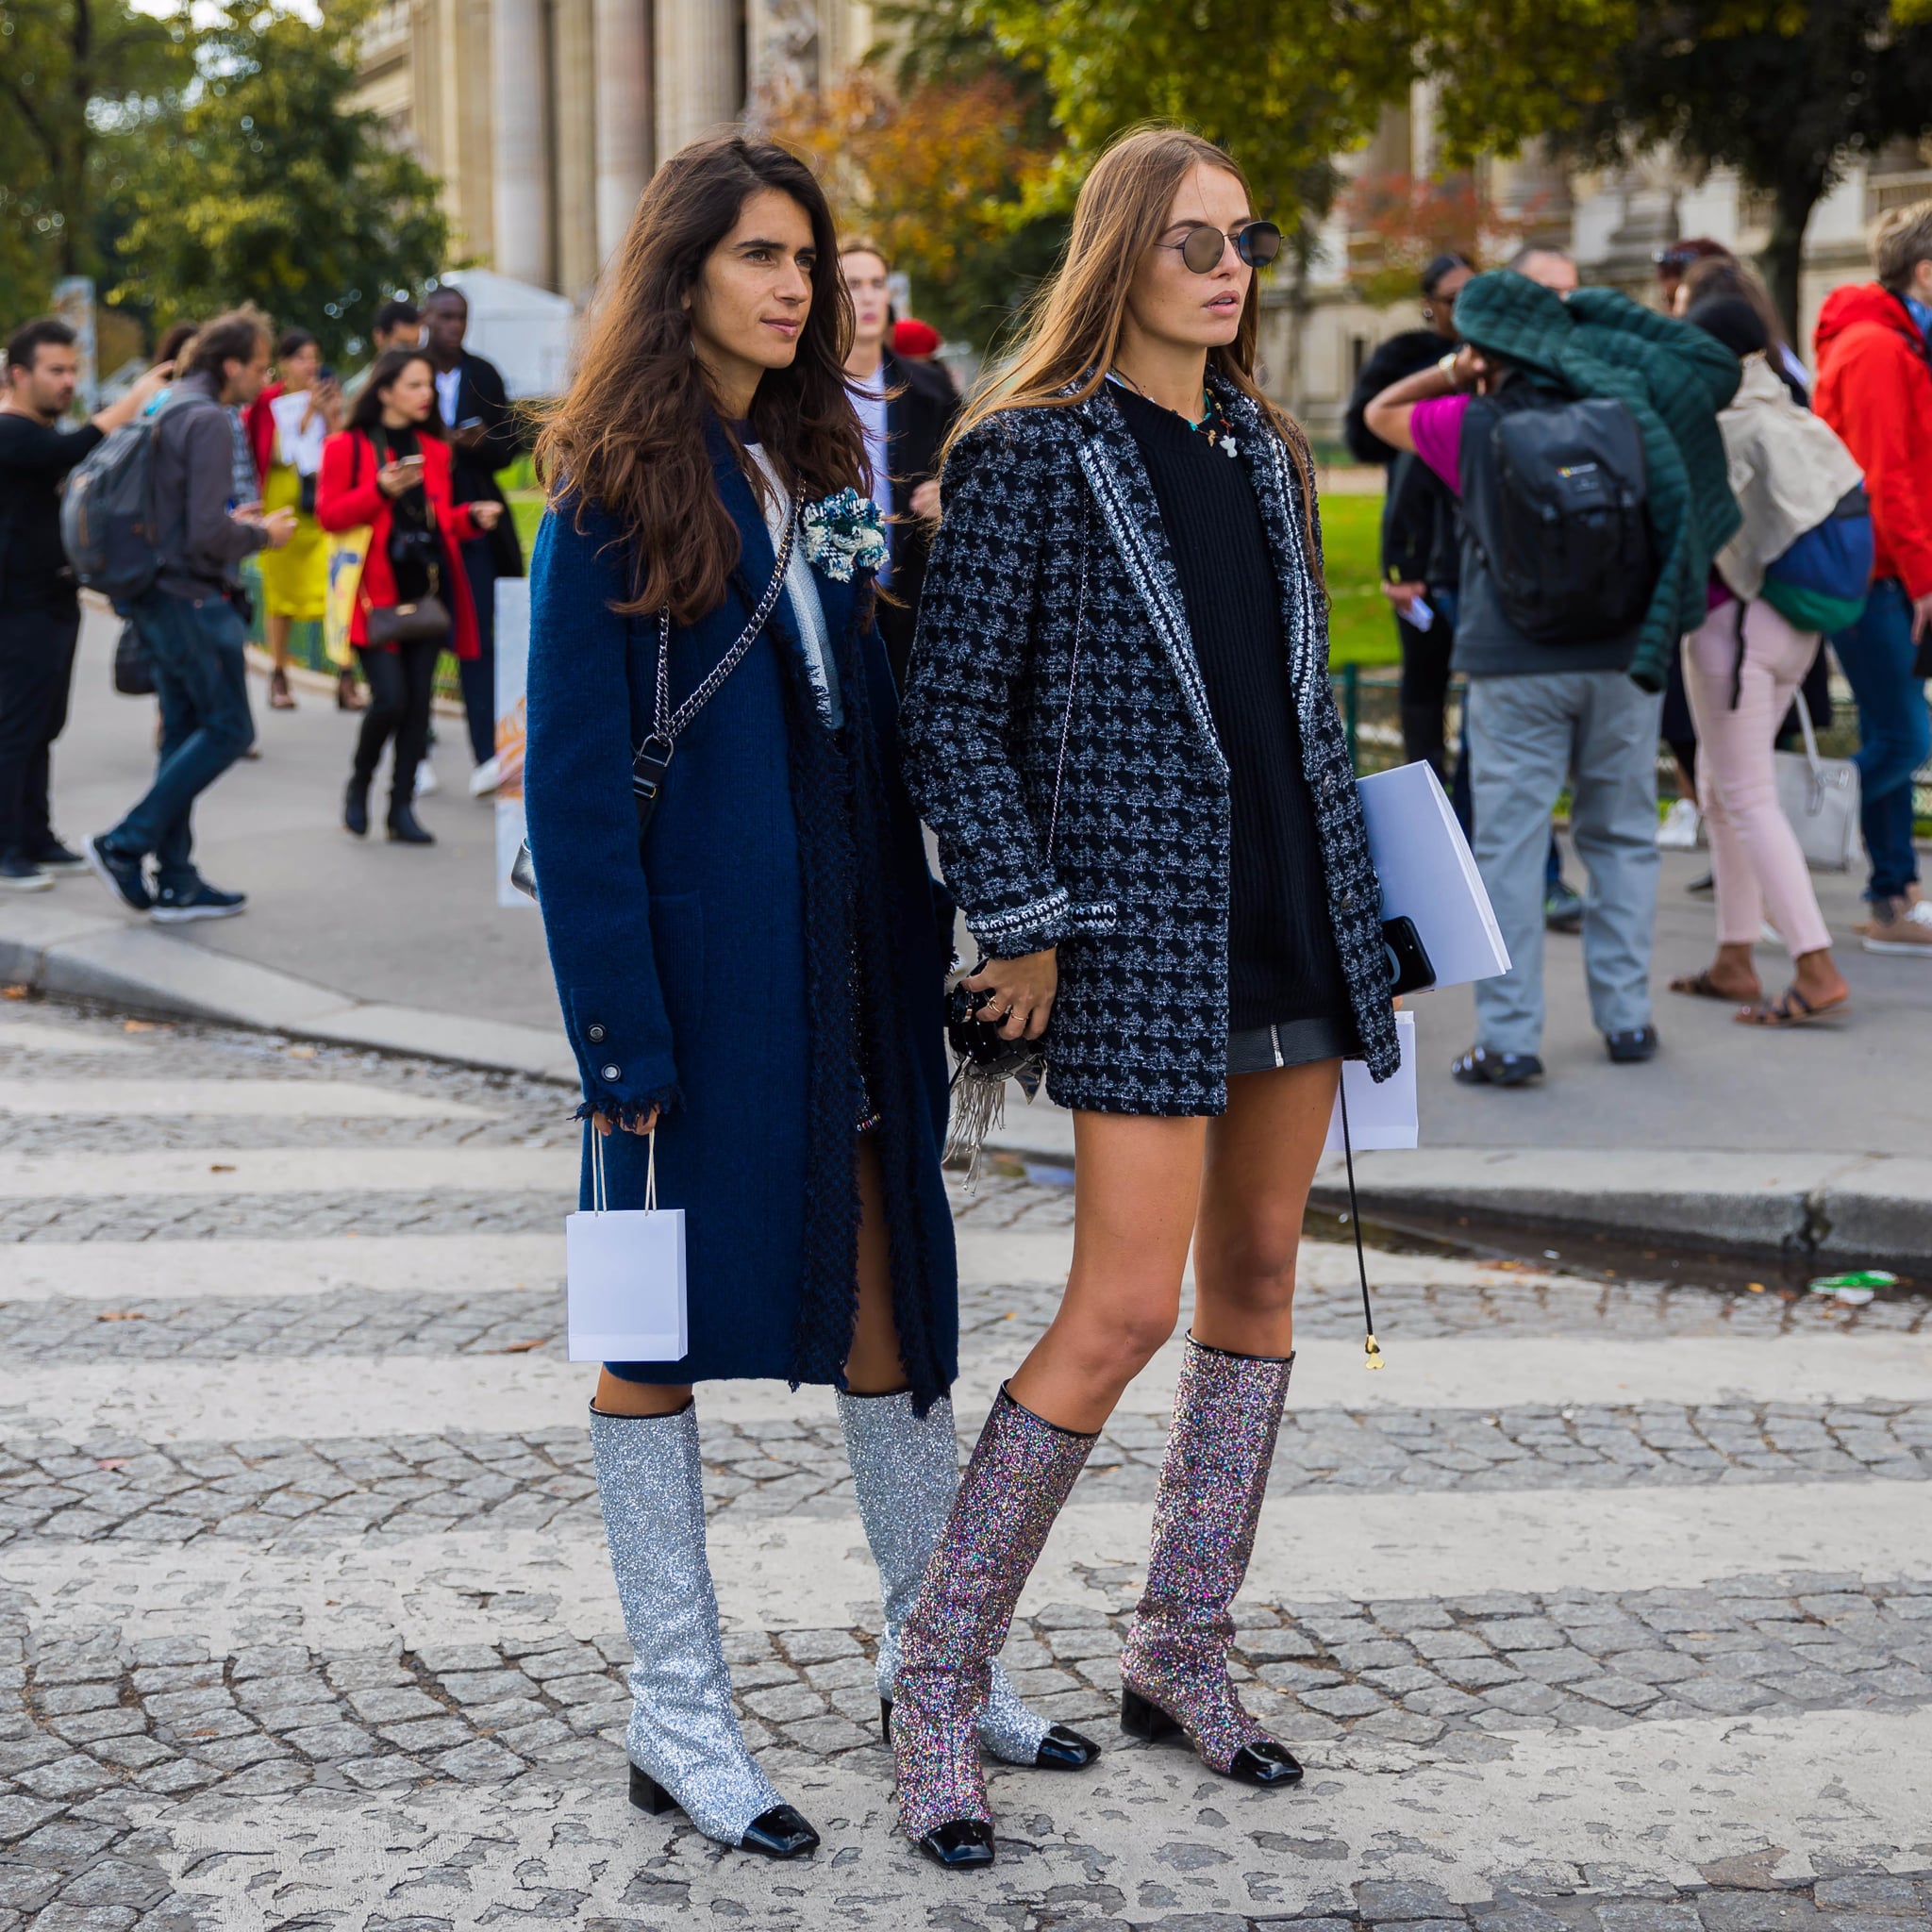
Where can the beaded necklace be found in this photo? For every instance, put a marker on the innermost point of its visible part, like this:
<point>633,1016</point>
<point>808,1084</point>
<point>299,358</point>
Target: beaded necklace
<point>1213,422</point>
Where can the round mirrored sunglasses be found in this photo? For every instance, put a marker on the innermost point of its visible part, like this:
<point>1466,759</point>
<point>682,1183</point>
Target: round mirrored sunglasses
<point>1257,243</point>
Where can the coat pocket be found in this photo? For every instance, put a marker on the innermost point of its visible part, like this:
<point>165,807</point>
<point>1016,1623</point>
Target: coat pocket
<point>677,940</point>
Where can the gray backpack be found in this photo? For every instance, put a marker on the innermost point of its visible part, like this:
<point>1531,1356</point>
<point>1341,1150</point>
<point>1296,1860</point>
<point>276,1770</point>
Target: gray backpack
<point>109,523</point>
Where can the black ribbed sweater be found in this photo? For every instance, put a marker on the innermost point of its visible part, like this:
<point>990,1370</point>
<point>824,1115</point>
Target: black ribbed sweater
<point>1282,961</point>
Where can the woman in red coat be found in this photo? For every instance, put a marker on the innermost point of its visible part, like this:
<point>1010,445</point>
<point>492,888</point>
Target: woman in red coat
<point>390,470</point>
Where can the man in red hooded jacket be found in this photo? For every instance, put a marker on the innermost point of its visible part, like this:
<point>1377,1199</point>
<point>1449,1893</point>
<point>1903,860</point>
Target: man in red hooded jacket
<point>1874,388</point>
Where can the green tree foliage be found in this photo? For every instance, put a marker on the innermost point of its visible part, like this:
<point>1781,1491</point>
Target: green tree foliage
<point>267,186</point>
<point>1284,85</point>
<point>947,48</point>
<point>1789,95</point>
<point>71,73</point>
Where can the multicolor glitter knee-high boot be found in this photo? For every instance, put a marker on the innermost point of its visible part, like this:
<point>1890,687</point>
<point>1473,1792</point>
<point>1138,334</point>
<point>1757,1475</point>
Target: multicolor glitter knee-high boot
<point>1173,1665</point>
<point>684,1746</point>
<point>905,1471</point>
<point>1020,1474</point>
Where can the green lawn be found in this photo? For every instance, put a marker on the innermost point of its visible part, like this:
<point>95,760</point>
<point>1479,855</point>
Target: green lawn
<point>1360,629</point>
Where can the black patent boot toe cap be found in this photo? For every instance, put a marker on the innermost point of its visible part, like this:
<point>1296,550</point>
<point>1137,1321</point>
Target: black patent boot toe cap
<point>1064,1749</point>
<point>1265,1763</point>
<point>961,1845</point>
<point>783,1833</point>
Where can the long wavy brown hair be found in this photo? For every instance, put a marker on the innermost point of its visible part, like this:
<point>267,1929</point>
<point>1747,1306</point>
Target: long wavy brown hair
<point>1072,329</point>
<point>628,435</point>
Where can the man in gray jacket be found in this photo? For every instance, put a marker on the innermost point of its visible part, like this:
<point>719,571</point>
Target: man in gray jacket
<point>191,625</point>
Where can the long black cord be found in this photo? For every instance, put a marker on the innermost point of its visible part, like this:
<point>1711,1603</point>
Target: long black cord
<point>1370,1347</point>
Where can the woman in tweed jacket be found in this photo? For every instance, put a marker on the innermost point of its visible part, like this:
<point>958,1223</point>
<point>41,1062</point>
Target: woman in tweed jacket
<point>1145,807</point>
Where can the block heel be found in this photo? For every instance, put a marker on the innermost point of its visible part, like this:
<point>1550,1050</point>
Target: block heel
<point>1145,1721</point>
<point>647,1794</point>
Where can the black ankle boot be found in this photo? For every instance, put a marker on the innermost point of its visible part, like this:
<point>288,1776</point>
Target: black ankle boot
<point>404,827</point>
<point>356,807</point>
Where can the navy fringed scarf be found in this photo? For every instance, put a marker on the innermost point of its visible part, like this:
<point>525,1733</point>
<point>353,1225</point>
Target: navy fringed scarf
<point>844,816</point>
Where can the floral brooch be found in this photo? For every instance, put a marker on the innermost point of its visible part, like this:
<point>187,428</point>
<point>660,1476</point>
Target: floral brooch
<point>843,534</point>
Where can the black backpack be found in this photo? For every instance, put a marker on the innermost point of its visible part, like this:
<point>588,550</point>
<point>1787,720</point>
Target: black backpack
<point>1566,526</point>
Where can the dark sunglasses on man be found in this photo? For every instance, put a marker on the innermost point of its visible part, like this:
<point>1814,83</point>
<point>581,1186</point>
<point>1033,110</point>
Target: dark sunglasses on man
<point>1257,243</point>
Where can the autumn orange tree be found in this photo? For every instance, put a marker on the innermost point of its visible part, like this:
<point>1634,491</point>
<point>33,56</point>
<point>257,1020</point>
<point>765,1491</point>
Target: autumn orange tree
<point>1398,223</point>
<point>936,175</point>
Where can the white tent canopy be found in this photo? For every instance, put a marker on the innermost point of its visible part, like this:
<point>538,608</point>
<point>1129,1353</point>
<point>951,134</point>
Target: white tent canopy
<point>526,331</point>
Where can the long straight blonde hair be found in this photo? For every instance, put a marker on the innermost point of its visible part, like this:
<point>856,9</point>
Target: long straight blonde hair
<point>1072,329</point>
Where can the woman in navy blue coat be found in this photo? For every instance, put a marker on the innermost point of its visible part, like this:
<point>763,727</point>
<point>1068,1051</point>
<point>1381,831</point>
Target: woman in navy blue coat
<point>752,981</point>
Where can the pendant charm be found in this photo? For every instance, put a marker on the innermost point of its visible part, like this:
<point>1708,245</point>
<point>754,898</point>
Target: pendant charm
<point>1228,446</point>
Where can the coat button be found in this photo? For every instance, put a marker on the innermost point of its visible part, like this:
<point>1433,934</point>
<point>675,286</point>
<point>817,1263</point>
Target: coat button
<point>611,1072</point>
<point>594,1032</point>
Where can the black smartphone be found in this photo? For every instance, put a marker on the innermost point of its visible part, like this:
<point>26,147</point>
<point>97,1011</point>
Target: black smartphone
<point>325,374</point>
<point>1409,970</point>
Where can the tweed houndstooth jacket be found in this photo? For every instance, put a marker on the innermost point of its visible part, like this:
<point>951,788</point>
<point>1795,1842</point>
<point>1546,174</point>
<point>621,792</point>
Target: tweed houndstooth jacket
<point>1079,796</point>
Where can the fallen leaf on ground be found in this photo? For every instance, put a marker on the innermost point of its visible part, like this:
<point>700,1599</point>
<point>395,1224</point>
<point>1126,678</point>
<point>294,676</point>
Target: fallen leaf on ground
<point>136,1025</point>
<point>14,992</point>
<point>120,1315</point>
<point>523,1347</point>
<point>221,1167</point>
<point>300,1053</point>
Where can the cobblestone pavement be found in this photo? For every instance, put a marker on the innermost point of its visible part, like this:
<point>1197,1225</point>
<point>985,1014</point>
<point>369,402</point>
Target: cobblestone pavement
<point>372,1679</point>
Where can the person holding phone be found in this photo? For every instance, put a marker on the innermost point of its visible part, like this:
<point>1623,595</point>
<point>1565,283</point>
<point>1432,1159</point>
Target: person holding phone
<point>1119,726</point>
<point>288,426</point>
<point>390,471</point>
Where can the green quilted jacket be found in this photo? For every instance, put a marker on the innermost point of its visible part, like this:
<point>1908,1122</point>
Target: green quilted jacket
<point>1674,379</point>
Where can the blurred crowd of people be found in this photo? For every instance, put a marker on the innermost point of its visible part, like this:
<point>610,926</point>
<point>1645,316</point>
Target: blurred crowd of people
<point>382,491</point>
<point>1795,508</point>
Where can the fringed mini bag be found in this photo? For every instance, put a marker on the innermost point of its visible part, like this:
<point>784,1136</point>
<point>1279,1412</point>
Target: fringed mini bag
<point>986,1058</point>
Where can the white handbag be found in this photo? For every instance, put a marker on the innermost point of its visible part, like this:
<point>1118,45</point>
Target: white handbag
<point>624,1274</point>
<point>1820,797</point>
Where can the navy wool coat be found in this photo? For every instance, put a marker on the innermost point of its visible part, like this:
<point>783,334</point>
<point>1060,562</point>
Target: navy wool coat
<point>783,866</point>
<point>1050,529</point>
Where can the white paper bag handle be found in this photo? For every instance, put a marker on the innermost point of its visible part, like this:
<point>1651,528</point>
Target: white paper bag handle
<point>600,1191</point>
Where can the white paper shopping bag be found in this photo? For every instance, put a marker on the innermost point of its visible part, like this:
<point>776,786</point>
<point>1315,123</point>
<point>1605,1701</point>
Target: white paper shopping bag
<point>624,1269</point>
<point>1380,1116</point>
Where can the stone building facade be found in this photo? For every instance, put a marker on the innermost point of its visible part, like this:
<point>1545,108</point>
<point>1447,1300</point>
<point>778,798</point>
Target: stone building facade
<point>544,119</point>
<point>1315,341</point>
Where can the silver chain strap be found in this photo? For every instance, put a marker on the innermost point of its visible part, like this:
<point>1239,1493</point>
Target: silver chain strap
<point>666,724</point>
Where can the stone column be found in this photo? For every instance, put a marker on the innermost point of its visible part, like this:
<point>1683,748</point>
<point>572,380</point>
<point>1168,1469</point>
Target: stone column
<point>626,115</point>
<point>700,71</point>
<point>520,151</point>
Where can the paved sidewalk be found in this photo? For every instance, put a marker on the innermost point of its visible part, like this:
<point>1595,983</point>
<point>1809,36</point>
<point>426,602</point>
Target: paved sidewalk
<point>407,949</point>
<point>1600,1610</point>
<point>379,943</point>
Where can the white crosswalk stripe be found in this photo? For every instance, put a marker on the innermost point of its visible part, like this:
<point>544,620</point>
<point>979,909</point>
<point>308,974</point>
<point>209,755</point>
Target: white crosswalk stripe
<point>1573,1614</point>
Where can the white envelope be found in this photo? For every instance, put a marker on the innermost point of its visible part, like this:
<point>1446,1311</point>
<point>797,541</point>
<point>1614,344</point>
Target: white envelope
<point>1380,1116</point>
<point>1428,873</point>
<point>624,1275</point>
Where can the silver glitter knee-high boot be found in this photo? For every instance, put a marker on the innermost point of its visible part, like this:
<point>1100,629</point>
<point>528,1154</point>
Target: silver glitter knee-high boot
<point>684,1746</point>
<point>1173,1665</point>
<point>1021,1475</point>
<point>906,1471</point>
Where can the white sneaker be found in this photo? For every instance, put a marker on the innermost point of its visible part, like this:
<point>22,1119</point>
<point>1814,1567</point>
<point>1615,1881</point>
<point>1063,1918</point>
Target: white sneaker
<point>483,779</point>
<point>426,780</point>
<point>1679,828</point>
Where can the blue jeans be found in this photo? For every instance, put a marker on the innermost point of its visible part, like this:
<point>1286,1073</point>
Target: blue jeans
<point>1528,735</point>
<point>195,651</point>
<point>1894,732</point>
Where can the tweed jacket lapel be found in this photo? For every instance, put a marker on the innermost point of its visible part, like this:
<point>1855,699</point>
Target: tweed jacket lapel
<point>1111,461</point>
<point>1258,448</point>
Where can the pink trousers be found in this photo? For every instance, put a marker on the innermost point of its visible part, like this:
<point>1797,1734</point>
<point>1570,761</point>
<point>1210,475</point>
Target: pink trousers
<point>1754,856</point>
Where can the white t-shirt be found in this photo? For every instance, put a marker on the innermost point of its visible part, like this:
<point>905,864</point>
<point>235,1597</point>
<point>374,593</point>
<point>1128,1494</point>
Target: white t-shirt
<point>869,399</point>
<point>802,593</point>
<point>300,448</point>
<point>448,383</point>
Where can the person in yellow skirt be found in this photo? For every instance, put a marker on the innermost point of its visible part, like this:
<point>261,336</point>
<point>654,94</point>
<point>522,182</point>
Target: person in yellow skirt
<point>287,429</point>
